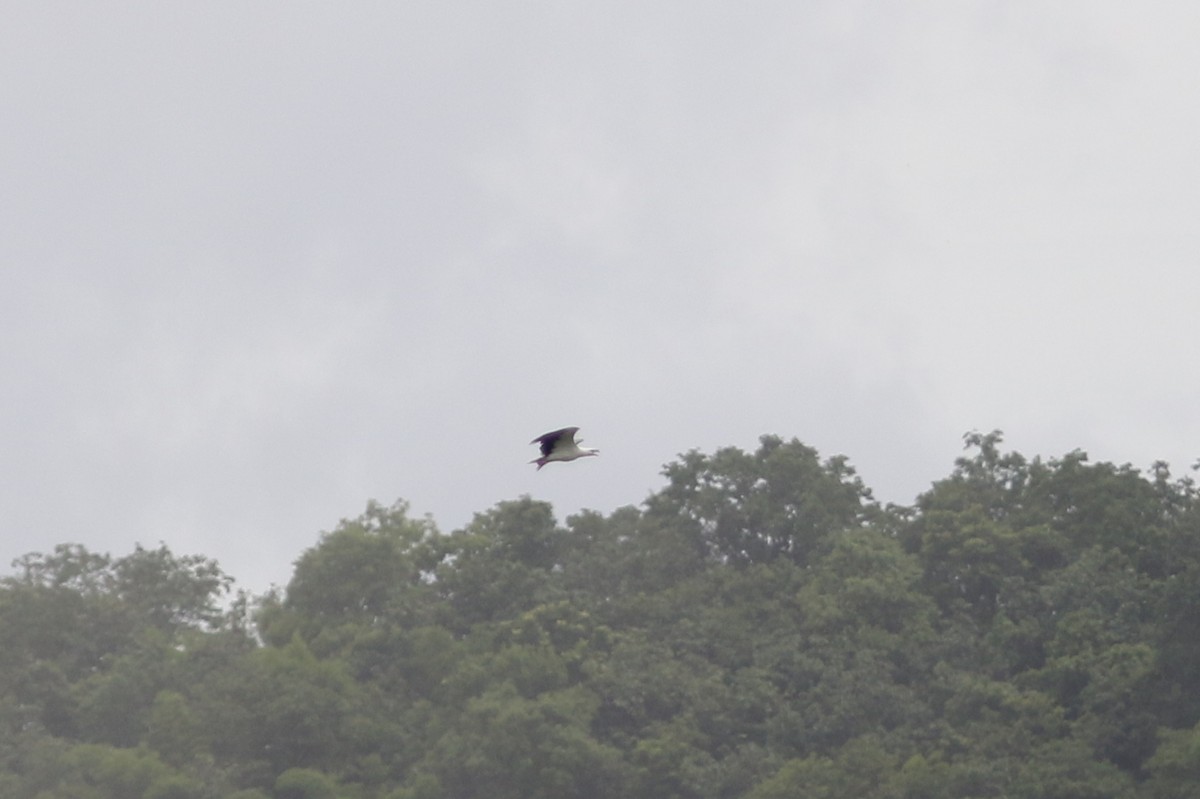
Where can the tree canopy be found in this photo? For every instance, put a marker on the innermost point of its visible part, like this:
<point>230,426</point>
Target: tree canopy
<point>759,628</point>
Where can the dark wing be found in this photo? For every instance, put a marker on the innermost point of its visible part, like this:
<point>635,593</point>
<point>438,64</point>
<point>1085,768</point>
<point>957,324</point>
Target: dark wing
<point>550,440</point>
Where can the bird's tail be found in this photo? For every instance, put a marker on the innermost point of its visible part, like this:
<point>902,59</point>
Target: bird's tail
<point>540,462</point>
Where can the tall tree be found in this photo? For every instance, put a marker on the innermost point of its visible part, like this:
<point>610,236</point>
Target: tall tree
<point>782,500</point>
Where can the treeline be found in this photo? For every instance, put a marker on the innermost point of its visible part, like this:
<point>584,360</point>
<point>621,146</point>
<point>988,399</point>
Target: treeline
<point>759,628</point>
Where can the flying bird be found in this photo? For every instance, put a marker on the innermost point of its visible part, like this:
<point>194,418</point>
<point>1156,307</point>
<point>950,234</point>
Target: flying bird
<point>560,445</point>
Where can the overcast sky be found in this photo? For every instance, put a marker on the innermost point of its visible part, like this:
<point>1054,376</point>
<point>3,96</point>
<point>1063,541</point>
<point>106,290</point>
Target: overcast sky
<point>262,262</point>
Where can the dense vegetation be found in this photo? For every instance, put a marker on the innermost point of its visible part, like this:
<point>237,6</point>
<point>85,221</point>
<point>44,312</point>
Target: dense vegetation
<point>759,628</point>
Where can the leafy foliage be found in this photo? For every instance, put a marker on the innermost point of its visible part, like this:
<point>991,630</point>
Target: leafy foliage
<point>759,628</point>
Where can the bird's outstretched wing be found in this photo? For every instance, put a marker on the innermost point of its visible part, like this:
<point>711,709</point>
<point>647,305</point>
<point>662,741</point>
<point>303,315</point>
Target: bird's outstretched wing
<point>550,440</point>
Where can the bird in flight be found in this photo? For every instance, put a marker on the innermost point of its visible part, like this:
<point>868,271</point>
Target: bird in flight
<point>561,445</point>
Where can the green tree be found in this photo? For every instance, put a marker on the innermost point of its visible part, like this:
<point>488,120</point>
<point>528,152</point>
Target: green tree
<point>304,783</point>
<point>367,571</point>
<point>279,708</point>
<point>173,729</point>
<point>758,628</point>
<point>1175,767</point>
<point>114,704</point>
<point>508,746</point>
<point>72,621</point>
<point>671,761</point>
<point>744,508</point>
<point>499,565</point>
<point>861,768</point>
<point>176,786</point>
<point>170,591</point>
<point>91,771</point>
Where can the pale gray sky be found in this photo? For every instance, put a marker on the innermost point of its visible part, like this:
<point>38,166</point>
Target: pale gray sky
<point>262,262</point>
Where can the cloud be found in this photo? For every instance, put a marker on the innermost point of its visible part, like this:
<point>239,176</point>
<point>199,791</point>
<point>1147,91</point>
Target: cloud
<point>272,264</point>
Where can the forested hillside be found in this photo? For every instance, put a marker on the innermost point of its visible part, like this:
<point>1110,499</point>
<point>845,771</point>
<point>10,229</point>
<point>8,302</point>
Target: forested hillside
<point>758,628</point>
